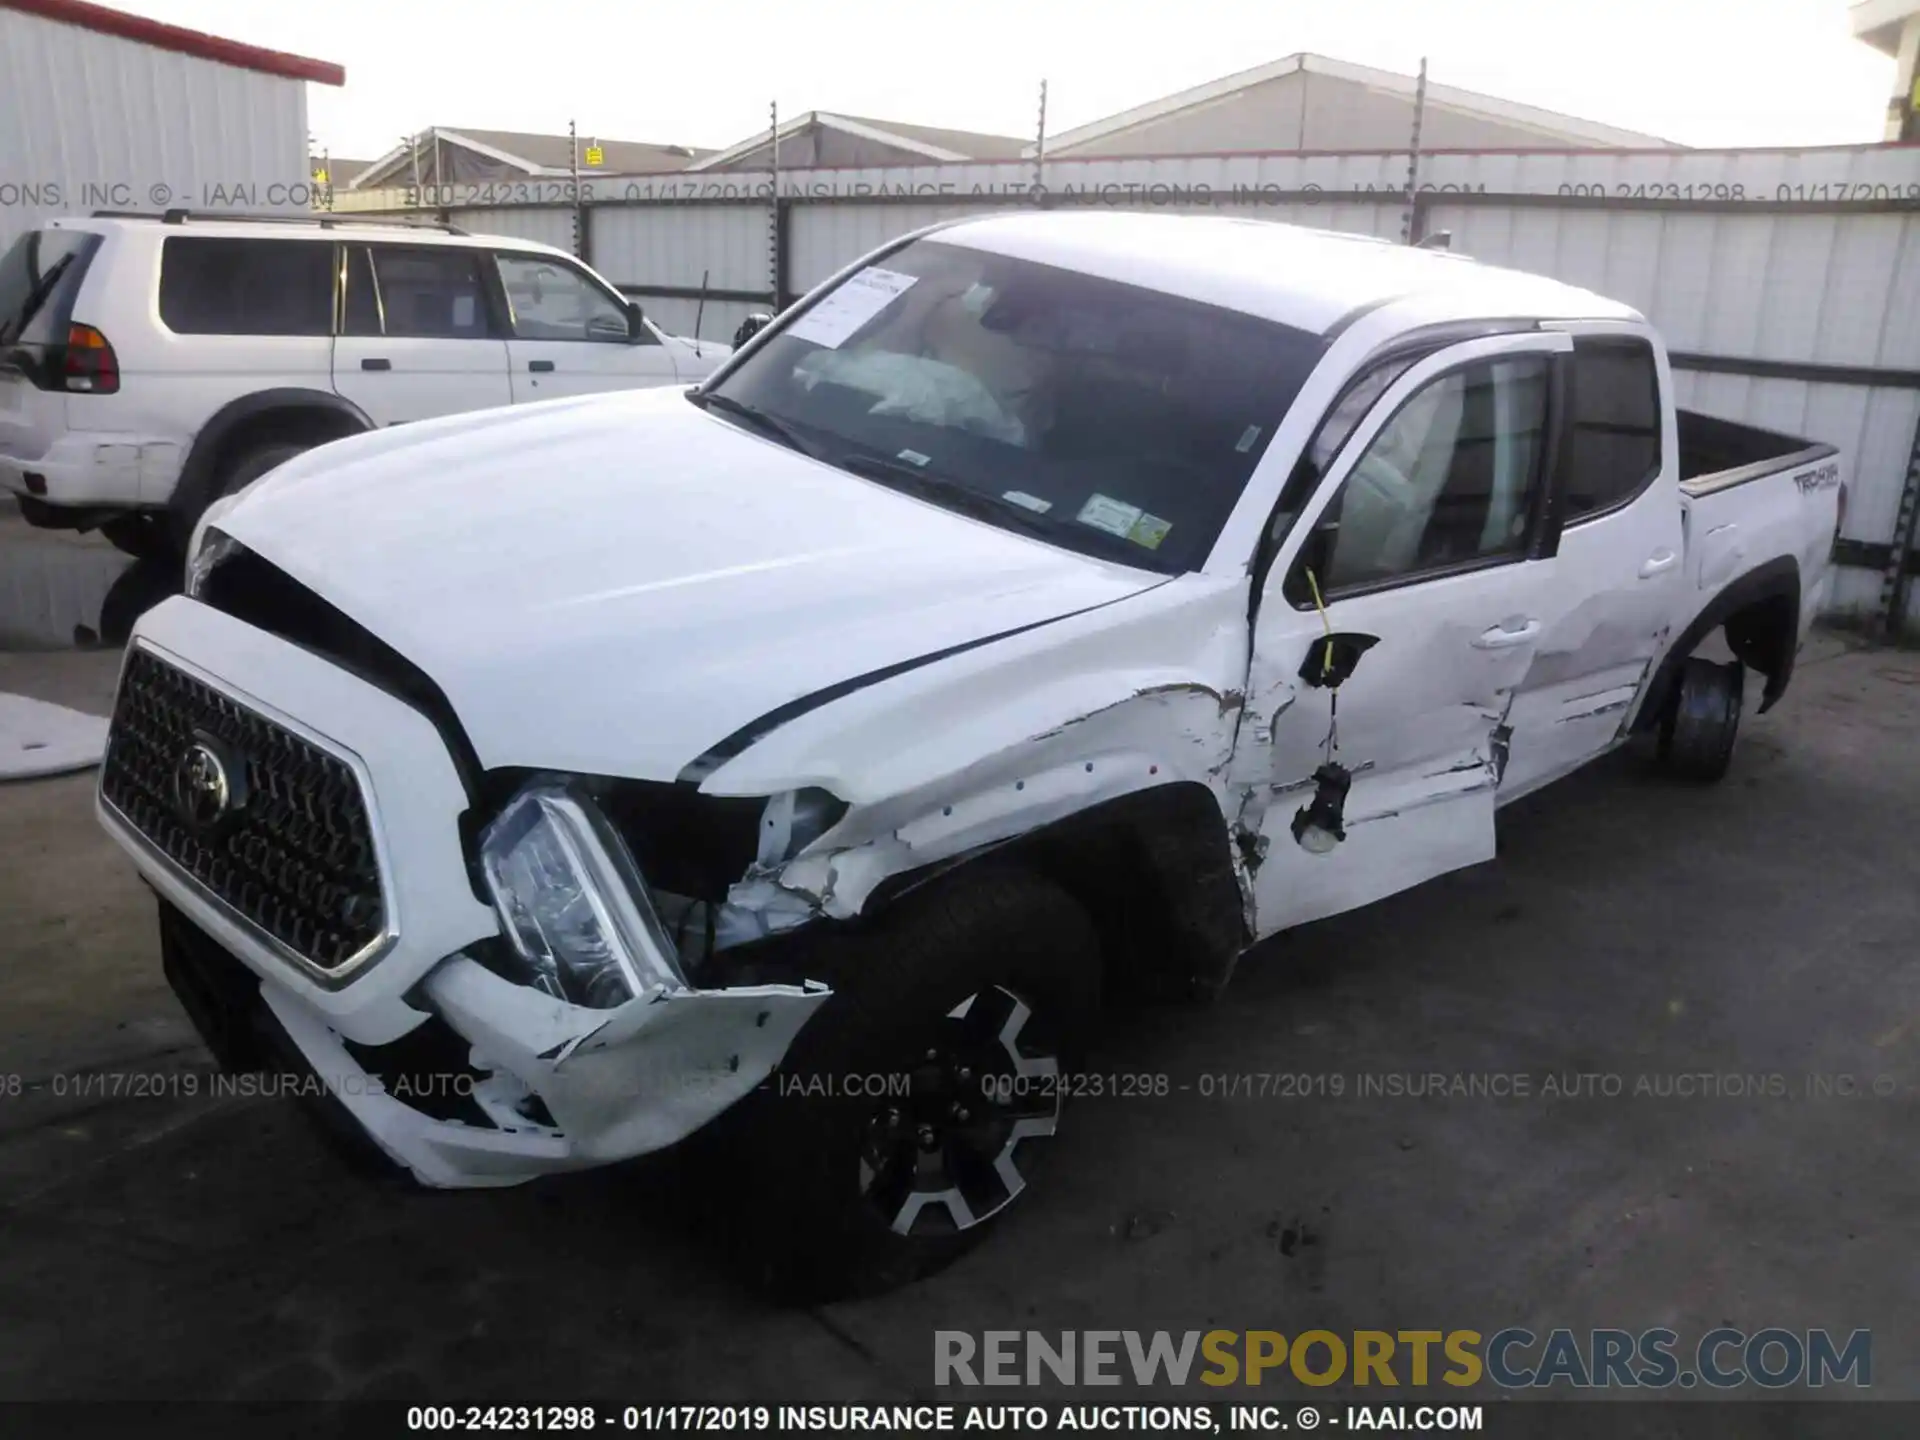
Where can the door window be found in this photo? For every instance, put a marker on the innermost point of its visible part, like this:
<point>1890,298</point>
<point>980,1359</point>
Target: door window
<point>215,286</point>
<point>1450,482</point>
<point>432,294</point>
<point>1615,445</point>
<point>551,301</point>
<point>361,313</point>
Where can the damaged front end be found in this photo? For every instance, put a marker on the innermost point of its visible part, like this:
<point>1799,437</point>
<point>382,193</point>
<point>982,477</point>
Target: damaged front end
<point>599,1027</point>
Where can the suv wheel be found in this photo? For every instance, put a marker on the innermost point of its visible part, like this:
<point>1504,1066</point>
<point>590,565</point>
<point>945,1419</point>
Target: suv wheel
<point>246,468</point>
<point>141,534</point>
<point>914,1109</point>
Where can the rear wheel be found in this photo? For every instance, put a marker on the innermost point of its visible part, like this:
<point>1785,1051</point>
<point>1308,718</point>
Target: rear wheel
<point>1703,720</point>
<point>245,468</point>
<point>917,1106</point>
<point>141,534</point>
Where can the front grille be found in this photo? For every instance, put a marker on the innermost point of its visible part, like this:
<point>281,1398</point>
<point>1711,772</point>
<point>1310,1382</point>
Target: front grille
<point>288,844</point>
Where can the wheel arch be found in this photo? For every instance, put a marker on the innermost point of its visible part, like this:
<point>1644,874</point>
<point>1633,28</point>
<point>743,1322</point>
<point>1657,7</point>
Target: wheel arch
<point>290,411</point>
<point>1154,871</point>
<point>1760,612</point>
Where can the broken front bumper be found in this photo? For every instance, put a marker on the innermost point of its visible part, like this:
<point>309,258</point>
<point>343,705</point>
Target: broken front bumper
<point>562,1087</point>
<point>520,1083</point>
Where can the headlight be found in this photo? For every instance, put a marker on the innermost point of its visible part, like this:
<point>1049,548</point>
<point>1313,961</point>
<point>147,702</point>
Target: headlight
<point>573,905</point>
<point>206,550</point>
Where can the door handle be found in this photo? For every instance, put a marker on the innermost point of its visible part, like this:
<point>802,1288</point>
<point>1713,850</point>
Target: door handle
<point>1502,638</point>
<point>540,366</point>
<point>376,363</point>
<point>1658,563</point>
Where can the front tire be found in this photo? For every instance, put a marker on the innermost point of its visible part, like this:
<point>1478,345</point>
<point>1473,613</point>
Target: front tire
<point>965,1008</point>
<point>1703,720</point>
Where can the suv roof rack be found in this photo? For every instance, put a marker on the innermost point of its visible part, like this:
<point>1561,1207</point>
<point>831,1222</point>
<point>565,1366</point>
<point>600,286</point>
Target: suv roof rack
<point>325,222</point>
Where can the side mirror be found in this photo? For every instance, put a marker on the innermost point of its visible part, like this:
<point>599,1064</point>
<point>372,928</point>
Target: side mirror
<point>636,321</point>
<point>750,327</point>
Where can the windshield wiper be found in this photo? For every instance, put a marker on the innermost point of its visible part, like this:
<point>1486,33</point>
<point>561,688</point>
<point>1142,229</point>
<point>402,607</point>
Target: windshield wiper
<point>36,296</point>
<point>950,493</point>
<point>755,417</point>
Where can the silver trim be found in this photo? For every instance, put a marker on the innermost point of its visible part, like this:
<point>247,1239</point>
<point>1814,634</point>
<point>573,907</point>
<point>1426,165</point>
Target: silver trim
<point>1715,482</point>
<point>131,835</point>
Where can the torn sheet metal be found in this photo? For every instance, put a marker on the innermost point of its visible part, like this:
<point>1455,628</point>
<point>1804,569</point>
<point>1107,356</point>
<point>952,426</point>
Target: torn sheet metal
<point>633,1079</point>
<point>617,1083</point>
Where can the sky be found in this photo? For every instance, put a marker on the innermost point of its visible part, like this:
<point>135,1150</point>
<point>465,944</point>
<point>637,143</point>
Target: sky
<point>703,72</point>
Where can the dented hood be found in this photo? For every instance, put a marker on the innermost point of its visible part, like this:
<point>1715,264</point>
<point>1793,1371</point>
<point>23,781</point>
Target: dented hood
<point>615,584</point>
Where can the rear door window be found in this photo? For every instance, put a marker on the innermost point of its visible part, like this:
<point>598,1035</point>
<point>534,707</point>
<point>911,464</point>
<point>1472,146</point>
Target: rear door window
<point>39,277</point>
<point>433,294</point>
<point>1614,450</point>
<point>211,285</point>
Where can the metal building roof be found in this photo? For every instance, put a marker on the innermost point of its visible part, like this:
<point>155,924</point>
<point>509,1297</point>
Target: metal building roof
<point>162,36</point>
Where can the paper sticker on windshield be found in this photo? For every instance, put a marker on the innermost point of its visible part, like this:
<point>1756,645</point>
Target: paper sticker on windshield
<point>1029,502</point>
<point>1249,437</point>
<point>1149,530</point>
<point>833,320</point>
<point>1103,512</point>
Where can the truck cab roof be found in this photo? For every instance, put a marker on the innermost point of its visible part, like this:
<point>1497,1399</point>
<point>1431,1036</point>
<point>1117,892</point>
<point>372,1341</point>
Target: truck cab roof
<point>1313,280</point>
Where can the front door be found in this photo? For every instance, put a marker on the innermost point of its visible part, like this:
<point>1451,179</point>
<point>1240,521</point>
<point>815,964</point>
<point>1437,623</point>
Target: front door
<point>571,336</point>
<point>1423,555</point>
<point>418,335</point>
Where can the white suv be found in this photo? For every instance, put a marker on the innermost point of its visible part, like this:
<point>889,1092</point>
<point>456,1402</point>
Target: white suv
<point>150,364</point>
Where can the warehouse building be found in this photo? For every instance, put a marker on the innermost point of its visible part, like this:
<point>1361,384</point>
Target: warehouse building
<point>1314,102</point>
<point>104,110</point>
<point>823,138</point>
<point>1299,103</point>
<point>466,155</point>
<point>1893,28</point>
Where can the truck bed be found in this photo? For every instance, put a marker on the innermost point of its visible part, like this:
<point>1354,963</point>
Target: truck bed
<point>1716,454</point>
<point>1756,504</point>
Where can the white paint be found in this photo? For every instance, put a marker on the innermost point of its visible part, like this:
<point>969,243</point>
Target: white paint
<point>37,738</point>
<point>127,449</point>
<point>572,512</point>
<point>635,580</point>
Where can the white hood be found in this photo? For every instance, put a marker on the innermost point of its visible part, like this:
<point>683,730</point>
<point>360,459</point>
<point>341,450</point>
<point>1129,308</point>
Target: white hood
<point>614,584</point>
<point>696,358</point>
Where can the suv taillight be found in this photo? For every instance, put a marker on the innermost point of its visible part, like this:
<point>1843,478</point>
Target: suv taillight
<point>90,365</point>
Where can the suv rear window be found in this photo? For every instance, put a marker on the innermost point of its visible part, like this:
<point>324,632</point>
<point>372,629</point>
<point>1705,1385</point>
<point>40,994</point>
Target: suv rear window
<point>39,276</point>
<point>213,286</point>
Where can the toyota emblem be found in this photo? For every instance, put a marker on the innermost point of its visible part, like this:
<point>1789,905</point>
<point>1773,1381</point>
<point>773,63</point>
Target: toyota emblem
<point>206,785</point>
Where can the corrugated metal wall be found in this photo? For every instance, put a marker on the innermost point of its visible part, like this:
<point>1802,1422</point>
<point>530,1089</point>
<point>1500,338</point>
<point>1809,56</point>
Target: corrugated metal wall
<point>1785,281</point>
<point>94,122</point>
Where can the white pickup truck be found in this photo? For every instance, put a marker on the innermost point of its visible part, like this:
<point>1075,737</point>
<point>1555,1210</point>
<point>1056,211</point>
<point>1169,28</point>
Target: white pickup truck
<point>1047,604</point>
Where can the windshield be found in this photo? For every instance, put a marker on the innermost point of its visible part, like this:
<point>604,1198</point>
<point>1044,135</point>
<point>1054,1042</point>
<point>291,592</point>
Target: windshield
<point>39,276</point>
<point>1113,420</point>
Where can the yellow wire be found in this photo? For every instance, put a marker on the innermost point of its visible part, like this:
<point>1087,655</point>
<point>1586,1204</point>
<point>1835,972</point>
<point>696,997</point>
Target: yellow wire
<point>1326,653</point>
